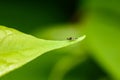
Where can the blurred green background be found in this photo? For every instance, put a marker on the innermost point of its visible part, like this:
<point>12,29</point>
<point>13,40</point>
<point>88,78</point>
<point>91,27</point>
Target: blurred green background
<point>96,58</point>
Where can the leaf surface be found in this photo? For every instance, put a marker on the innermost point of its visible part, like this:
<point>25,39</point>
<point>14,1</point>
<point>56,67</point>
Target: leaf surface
<point>17,48</point>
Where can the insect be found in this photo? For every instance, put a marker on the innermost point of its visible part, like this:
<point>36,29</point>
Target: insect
<point>71,38</point>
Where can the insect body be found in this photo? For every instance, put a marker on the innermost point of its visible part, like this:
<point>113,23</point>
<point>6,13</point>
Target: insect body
<point>71,38</point>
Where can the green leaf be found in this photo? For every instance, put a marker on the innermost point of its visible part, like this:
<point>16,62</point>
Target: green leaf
<point>103,31</point>
<point>103,36</point>
<point>17,48</point>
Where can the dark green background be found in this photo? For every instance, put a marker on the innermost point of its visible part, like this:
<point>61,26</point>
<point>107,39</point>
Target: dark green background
<point>96,58</point>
